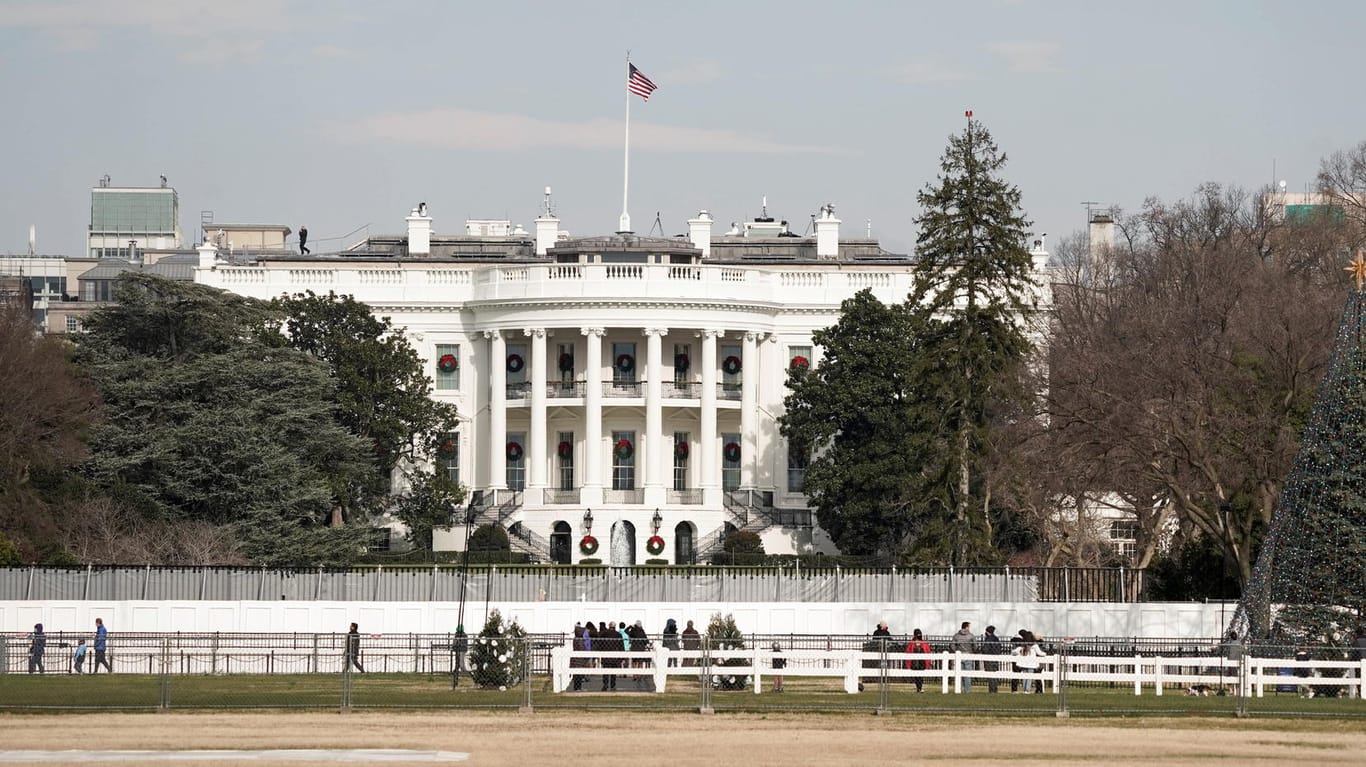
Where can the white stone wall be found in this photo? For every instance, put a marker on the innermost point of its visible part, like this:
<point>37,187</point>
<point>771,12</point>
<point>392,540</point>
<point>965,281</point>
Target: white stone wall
<point>1054,619</point>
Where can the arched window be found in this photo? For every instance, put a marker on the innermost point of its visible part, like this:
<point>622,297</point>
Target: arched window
<point>685,546</point>
<point>562,543</point>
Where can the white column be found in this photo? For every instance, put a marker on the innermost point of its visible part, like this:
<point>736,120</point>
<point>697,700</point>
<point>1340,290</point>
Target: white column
<point>655,450</point>
<point>498,411</point>
<point>749,409</point>
<point>707,453</point>
<point>536,450</point>
<point>591,492</point>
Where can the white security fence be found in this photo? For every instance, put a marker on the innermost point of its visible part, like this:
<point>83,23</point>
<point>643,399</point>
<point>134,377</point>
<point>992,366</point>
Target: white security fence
<point>954,672</point>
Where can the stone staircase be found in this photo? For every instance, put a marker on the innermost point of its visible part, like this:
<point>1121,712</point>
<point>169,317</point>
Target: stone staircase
<point>749,511</point>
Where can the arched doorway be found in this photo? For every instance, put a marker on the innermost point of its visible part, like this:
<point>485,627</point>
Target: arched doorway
<point>623,547</point>
<point>685,546</point>
<point>562,543</point>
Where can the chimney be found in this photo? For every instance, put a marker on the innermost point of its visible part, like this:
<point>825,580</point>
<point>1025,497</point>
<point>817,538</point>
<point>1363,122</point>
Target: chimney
<point>827,233</point>
<point>699,233</point>
<point>1101,235</point>
<point>547,226</point>
<point>208,255</point>
<point>419,231</point>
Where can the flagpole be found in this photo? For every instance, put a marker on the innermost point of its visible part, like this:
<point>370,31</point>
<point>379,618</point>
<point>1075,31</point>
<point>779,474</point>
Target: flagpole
<point>624,225</point>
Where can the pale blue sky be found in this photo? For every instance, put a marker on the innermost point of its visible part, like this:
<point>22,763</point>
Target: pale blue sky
<point>339,114</point>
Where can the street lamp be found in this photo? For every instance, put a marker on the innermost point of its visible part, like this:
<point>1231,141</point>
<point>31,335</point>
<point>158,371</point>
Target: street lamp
<point>587,520</point>
<point>656,520</point>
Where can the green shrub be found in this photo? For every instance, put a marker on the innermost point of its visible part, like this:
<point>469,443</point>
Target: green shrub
<point>489,537</point>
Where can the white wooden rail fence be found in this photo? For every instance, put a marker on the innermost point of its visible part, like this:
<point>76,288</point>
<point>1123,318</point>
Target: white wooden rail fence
<point>951,669</point>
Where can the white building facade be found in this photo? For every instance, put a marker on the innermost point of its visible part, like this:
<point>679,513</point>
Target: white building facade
<point>622,390</point>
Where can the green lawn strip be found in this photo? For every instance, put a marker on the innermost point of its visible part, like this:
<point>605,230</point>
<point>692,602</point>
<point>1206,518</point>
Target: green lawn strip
<point>283,691</point>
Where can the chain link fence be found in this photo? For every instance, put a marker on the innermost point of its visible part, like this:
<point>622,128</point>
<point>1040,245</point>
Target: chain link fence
<point>1060,677</point>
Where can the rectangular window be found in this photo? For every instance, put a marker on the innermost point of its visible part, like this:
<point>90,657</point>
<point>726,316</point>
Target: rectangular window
<point>624,363</point>
<point>624,460</point>
<point>799,356</point>
<point>682,362</point>
<point>516,466</point>
<point>448,456</point>
<point>73,324</point>
<point>731,360</point>
<point>447,367</point>
<point>797,460</point>
<point>564,454</point>
<point>516,364</point>
<point>682,450</point>
<point>730,469</point>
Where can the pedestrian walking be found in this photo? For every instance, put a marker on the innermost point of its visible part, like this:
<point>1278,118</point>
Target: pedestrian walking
<point>101,648</point>
<point>37,647</point>
<point>352,657</point>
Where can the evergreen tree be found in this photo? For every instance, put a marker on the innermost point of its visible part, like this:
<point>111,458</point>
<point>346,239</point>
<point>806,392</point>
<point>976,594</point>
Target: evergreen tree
<point>973,295</point>
<point>430,502</point>
<point>382,391</point>
<point>211,419</point>
<point>1309,582</point>
<point>861,410</point>
<point>898,412</point>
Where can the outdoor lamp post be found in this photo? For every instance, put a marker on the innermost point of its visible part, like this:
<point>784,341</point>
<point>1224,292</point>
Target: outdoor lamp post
<point>656,520</point>
<point>587,521</point>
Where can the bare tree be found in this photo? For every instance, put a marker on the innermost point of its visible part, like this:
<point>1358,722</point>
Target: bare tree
<point>1183,365</point>
<point>45,413</point>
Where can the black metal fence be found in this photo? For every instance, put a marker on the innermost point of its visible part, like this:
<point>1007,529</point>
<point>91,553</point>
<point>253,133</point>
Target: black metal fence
<point>526,583</point>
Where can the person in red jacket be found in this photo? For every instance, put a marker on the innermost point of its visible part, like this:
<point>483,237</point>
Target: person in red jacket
<point>918,645</point>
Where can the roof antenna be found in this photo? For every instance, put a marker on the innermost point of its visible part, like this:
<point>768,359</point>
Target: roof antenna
<point>547,207</point>
<point>658,224</point>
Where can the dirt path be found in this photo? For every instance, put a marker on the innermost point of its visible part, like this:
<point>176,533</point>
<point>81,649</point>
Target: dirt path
<point>634,739</point>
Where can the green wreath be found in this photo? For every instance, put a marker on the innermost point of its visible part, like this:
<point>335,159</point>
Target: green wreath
<point>731,452</point>
<point>588,545</point>
<point>655,545</point>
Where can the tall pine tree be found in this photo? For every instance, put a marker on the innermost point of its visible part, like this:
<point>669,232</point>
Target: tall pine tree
<point>974,293</point>
<point>899,409</point>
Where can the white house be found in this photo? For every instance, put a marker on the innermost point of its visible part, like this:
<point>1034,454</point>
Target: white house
<point>618,387</point>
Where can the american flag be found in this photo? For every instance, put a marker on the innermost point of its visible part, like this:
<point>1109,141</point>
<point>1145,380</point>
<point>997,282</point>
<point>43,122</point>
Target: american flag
<point>639,84</point>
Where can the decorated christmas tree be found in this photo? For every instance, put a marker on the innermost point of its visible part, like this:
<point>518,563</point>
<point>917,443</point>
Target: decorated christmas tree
<point>498,656</point>
<point>1309,583</point>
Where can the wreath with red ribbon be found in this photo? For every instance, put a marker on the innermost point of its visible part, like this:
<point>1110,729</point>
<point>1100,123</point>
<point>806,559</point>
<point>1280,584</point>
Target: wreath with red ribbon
<point>448,363</point>
<point>731,365</point>
<point>566,362</point>
<point>800,363</point>
<point>624,449</point>
<point>446,448</point>
<point>515,363</point>
<point>626,363</point>
<point>681,450</point>
<point>588,545</point>
<point>731,452</point>
<point>564,450</point>
<point>514,451</point>
<point>655,545</point>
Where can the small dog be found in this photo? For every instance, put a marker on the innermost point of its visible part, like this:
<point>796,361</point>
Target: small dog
<point>1202,690</point>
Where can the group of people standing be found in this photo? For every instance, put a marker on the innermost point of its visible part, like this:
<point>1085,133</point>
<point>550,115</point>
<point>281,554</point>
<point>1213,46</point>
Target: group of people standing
<point>614,637</point>
<point>1023,648</point>
<point>37,651</point>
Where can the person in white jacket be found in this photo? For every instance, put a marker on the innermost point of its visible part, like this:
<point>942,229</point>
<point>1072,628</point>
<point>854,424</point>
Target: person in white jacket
<point>1027,655</point>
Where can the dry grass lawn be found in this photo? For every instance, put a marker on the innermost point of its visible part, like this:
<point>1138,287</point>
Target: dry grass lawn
<point>632,739</point>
